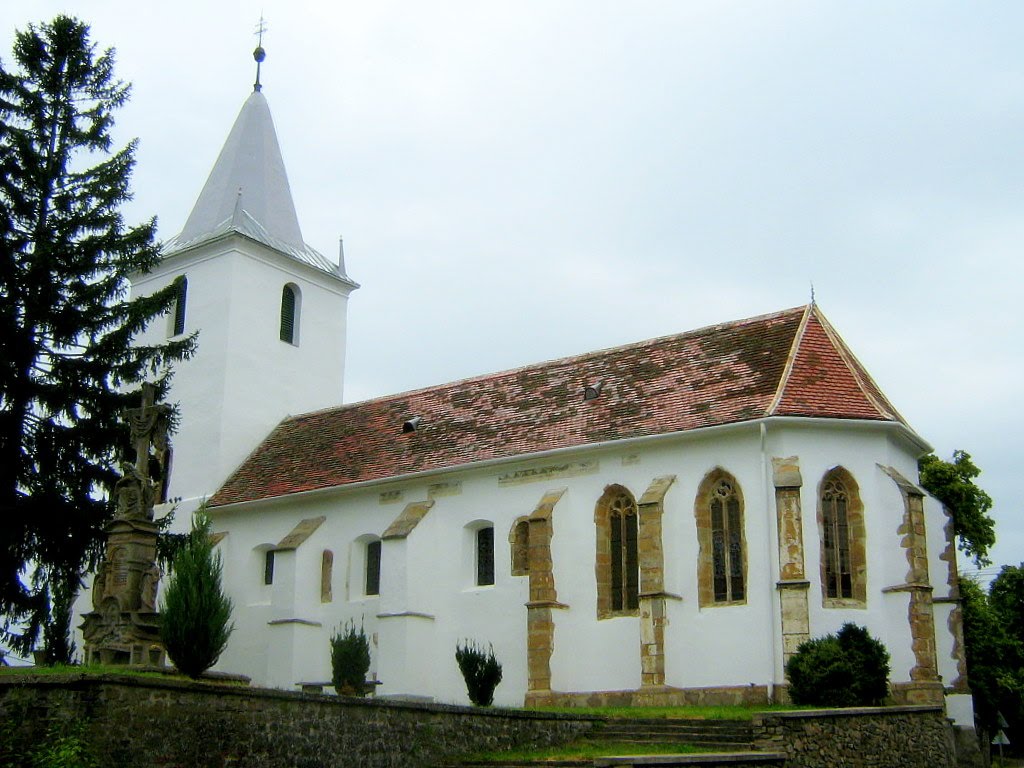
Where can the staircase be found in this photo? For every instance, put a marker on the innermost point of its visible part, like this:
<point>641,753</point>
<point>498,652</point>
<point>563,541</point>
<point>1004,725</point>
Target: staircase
<point>731,740</point>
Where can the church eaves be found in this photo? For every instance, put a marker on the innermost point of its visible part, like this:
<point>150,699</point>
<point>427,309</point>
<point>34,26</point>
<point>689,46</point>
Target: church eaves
<point>248,193</point>
<point>789,363</point>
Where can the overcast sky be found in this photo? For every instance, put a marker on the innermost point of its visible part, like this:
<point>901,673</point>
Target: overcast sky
<point>519,181</point>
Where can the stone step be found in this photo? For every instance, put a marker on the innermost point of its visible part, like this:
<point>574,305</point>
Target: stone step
<point>707,760</point>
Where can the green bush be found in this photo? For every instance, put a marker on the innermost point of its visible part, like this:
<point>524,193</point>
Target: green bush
<point>480,670</point>
<point>195,614</point>
<point>350,660</point>
<point>848,669</point>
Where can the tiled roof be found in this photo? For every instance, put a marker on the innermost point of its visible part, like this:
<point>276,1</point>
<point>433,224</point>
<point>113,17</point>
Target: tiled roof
<point>789,363</point>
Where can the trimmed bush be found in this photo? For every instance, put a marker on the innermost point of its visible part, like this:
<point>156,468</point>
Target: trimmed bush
<point>480,670</point>
<point>848,669</point>
<point>195,614</point>
<point>350,660</point>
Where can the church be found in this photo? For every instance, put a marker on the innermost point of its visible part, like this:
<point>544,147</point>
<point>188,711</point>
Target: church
<point>659,523</point>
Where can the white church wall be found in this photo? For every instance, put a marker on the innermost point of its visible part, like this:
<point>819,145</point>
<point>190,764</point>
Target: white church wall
<point>429,602</point>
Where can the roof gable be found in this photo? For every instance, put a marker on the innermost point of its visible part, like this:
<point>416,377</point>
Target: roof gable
<point>825,380</point>
<point>718,375</point>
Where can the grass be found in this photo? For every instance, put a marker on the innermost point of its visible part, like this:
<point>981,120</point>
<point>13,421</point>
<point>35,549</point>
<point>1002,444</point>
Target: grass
<point>674,713</point>
<point>80,670</point>
<point>587,750</point>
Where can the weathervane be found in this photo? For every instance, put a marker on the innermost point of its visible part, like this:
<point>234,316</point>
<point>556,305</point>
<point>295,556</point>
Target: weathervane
<point>259,54</point>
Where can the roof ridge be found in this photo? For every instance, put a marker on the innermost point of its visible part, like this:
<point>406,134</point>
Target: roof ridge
<point>798,338</point>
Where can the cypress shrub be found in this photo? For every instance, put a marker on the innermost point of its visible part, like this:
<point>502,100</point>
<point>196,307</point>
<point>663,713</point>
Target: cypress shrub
<point>480,670</point>
<point>195,614</point>
<point>350,660</point>
<point>848,669</point>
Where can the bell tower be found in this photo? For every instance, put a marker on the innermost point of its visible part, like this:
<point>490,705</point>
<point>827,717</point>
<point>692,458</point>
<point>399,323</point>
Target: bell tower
<point>269,309</point>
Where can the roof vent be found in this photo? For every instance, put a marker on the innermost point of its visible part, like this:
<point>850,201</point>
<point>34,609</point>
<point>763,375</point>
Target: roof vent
<point>411,425</point>
<point>591,391</point>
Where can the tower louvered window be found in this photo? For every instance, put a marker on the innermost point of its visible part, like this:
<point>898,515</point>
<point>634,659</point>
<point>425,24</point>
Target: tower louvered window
<point>625,569</point>
<point>288,314</point>
<point>179,307</point>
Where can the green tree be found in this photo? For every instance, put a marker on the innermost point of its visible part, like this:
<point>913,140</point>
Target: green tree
<point>481,671</point>
<point>195,614</point>
<point>995,650</point>
<point>68,366</point>
<point>350,660</point>
<point>953,484</point>
<point>847,669</point>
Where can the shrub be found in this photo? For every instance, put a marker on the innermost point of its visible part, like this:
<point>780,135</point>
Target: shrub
<point>848,669</point>
<point>350,659</point>
<point>480,670</point>
<point>195,614</point>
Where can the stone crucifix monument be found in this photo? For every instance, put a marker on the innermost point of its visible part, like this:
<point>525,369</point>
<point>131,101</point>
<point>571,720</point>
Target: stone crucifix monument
<point>123,627</point>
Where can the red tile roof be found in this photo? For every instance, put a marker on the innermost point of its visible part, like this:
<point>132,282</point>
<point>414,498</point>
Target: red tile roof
<point>789,363</point>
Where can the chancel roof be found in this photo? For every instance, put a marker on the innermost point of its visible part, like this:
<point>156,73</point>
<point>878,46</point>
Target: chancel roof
<point>247,192</point>
<point>790,363</point>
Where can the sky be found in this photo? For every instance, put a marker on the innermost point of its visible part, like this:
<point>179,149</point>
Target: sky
<point>522,181</point>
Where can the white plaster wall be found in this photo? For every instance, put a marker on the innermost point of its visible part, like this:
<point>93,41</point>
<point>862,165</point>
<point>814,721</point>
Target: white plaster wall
<point>243,379</point>
<point>431,571</point>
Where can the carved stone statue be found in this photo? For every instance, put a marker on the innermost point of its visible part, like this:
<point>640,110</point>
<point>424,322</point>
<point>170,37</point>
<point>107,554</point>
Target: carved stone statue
<point>123,627</point>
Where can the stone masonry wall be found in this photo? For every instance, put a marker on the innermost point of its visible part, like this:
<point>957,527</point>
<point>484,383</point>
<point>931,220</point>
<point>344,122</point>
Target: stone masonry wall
<point>140,722</point>
<point>875,737</point>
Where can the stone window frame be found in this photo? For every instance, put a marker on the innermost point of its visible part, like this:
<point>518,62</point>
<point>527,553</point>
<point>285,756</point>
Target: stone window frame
<point>856,540</point>
<point>712,486</point>
<point>519,546</point>
<point>291,306</point>
<point>621,596</point>
<point>326,576</point>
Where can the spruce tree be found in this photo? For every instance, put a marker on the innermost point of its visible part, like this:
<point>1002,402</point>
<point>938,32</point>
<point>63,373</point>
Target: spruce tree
<point>68,366</point>
<point>195,614</point>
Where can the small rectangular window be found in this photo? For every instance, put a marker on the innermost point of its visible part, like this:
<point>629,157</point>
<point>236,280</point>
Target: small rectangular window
<point>268,567</point>
<point>485,557</point>
<point>373,568</point>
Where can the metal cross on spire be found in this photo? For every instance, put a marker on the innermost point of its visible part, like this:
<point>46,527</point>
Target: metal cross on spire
<point>259,54</point>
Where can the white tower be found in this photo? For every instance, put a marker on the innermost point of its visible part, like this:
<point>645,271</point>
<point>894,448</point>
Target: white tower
<point>270,311</point>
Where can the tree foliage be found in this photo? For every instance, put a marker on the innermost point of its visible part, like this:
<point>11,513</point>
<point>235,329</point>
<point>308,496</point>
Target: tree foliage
<point>350,659</point>
<point>195,614</point>
<point>481,671</point>
<point>848,669</point>
<point>953,484</point>
<point>67,363</point>
<point>994,639</point>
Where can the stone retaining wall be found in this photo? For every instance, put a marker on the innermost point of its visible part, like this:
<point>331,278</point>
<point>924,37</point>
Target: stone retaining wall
<point>873,737</point>
<point>141,722</point>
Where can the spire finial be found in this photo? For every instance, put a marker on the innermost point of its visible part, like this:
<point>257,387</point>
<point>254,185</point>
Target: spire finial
<point>812,294</point>
<point>259,54</point>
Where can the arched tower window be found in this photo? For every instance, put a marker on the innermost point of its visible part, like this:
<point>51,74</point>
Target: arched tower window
<point>291,300</point>
<point>617,564</point>
<point>841,523</point>
<point>722,562</point>
<point>180,299</point>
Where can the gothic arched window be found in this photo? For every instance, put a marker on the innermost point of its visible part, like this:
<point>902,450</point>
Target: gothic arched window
<point>618,564</point>
<point>841,522</point>
<point>722,562</point>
